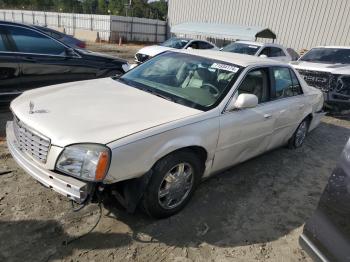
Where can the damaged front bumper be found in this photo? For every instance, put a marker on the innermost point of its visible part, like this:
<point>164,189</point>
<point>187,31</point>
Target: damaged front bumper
<point>70,187</point>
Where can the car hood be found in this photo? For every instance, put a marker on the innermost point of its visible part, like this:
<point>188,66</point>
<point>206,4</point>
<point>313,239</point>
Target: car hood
<point>87,54</point>
<point>153,50</point>
<point>94,111</point>
<point>330,68</point>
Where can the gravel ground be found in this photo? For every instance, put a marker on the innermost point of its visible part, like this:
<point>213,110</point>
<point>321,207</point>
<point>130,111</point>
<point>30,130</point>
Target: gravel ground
<point>252,212</point>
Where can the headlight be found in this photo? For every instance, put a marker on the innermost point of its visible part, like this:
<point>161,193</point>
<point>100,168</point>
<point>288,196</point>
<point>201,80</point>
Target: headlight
<point>85,161</point>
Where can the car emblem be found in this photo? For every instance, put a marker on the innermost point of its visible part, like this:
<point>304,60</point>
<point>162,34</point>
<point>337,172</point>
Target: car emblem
<point>31,107</point>
<point>32,111</point>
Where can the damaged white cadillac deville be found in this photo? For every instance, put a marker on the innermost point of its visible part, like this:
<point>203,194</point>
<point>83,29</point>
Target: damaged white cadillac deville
<point>149,137</point>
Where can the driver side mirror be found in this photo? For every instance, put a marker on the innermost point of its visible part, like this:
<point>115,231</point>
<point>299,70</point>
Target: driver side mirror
<point>243,101</point>
<point>70,52</point>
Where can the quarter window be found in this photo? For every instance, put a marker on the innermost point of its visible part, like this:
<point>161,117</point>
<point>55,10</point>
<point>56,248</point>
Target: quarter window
<point>297,90</point>
<point>29,41</point>
<point>283,84</point>
<point>256,82</point>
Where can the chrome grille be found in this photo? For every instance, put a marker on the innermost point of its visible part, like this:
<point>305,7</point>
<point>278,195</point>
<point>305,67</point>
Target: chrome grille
<point>31,142</point>
<point>320,80</point>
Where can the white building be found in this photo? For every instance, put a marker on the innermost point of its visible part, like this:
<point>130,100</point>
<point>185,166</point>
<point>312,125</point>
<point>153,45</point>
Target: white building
<point>297,23</point>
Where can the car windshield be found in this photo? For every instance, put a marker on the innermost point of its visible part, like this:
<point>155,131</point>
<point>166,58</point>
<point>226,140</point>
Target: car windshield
<point>190,80</point>
<point>327,55</point>
<point>241,48</point>
<point>177,43</point>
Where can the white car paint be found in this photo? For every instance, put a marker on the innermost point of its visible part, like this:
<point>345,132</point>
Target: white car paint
<point>141,128</point>
<point>261,46</point>
<point>154,50</point>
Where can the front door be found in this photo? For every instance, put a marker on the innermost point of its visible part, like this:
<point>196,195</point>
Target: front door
<point>246,133</point>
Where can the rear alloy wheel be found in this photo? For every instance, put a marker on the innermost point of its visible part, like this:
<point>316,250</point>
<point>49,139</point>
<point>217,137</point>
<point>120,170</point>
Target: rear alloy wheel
<point>300,134</point>
<point>172,184</point>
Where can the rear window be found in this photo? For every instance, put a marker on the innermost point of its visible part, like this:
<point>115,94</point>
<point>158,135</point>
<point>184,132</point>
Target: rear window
<point>327,55</point>
<point>241,48</point>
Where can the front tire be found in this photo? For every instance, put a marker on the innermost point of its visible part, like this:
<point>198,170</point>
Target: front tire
<point>299,135</point>
<point>174,179</point>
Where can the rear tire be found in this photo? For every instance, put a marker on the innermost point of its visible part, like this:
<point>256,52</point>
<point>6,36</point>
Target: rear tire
<point>299,135</point>
<point>173,182</point>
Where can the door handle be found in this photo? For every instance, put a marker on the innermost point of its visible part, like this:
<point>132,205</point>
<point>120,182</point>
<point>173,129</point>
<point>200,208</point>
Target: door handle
<point>267,116</point>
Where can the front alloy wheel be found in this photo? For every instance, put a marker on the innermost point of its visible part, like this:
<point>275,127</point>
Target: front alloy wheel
<point>176,186</point>
<point>174,179</point>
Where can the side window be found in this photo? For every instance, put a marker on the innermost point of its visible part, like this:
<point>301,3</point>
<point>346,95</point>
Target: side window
<point>256,82</point>
<point>275,52</point>
<point>29,41</point>
<point>194,45</point>
<point>283,85</point>
<point>265,51</point>
<point>205,45</point>
<point>297,90</point>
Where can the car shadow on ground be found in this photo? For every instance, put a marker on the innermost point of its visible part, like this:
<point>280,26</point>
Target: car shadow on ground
<point>257,201</point>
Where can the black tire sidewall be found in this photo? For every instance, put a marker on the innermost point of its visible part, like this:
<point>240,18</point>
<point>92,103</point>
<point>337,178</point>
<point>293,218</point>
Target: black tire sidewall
<point>160,169</point>
<point>292,142</point>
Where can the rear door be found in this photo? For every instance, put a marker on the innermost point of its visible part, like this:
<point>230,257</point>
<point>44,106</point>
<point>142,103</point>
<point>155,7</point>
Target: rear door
<point>44,60</point>
<point>289,102</point>
<point>9,69</point>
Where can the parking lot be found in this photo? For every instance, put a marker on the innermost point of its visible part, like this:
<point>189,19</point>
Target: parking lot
<point>254,211</point>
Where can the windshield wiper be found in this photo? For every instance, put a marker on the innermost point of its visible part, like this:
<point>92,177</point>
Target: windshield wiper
<point>159,95</point>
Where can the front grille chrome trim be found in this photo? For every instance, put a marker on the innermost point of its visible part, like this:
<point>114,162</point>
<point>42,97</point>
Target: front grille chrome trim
<point>31,142</point>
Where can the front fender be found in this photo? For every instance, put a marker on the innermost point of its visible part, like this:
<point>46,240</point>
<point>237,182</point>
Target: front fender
<point>137,158</point>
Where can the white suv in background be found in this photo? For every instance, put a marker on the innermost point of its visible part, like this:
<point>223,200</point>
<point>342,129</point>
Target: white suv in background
<point>270,50</point>
<point>328,69</point>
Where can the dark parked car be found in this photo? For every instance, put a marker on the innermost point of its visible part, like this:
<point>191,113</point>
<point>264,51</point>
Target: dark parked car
<point>326,234</point>
<point>67,39</point>
<point>29,58</point>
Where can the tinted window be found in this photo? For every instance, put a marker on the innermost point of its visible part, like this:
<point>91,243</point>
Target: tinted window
<point>205,45</point>
<point>241,48</point>
<point>327,55</point>
<point>29,41</point>
<point>282,82</point>
<point>275,51</point>
<point>257,83</point>
<point>194,45</point>
<point>272,52</point>
<point>177,43</point>
<point>297,90</point>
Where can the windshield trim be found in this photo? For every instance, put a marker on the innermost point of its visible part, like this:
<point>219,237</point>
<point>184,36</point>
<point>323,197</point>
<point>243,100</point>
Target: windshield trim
<point>180,100</point>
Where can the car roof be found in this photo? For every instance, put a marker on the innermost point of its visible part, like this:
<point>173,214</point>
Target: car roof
<point>259,43</point>
<point>234,58</point>
<point>18,24</point>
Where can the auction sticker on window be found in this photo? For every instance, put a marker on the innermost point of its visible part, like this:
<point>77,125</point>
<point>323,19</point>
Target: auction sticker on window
<point>229,68</point>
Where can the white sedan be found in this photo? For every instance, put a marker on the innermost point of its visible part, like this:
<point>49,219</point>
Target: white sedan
<point>173,43</point>
<point>152,135</point>
<point>266,50</point>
